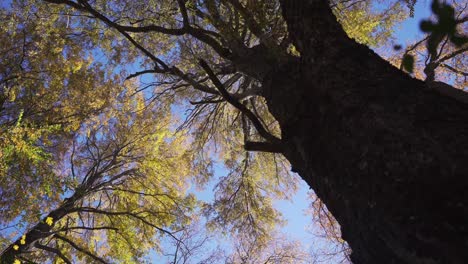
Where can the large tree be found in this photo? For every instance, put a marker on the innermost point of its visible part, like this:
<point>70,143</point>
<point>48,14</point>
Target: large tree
<point>384,151</point>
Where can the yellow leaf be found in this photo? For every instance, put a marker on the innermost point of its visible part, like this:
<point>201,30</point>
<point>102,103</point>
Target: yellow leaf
<point>49,220</point>
<point>77,66</point>
<point>58,49</point>
<point>23,240</point>
<point>15,247</point>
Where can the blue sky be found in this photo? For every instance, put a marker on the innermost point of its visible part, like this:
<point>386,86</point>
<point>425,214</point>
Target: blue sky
<point>408,31</point>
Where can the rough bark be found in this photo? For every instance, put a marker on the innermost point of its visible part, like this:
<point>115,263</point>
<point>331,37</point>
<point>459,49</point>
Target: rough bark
<point>388,156</point>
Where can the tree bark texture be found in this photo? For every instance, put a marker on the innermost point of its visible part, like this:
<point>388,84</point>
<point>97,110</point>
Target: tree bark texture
<point>388,156</point>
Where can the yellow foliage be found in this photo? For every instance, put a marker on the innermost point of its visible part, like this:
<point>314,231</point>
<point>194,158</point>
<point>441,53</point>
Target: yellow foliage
<point>49,220</point>
<point>293,51</point>
<point>76,66</point>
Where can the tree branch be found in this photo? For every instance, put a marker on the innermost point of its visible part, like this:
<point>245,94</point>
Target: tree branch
<point>206,102</point>
<point>183,11</point>
<point>87,228</point>
<point>256,123</point>
<point>454,69</point>
<point>134,215</point>
<point>53,250</point>
<point>263,147</point>
<point>88,253</point>
<point>453,54</point>
<point>200,34</point>
<point>136,74</point>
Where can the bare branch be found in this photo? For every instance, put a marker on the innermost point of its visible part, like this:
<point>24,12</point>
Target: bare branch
<point>257,124</point>
<point>183,11</point>
<point>454,70</point>
<point>87,252</point>
<point>86,228</point>
<point>263,147</point>
<point>53,250</point>
<point>136,74</point>
<point>200,34</point>
<point>207,102</point>
<point>453,54</point>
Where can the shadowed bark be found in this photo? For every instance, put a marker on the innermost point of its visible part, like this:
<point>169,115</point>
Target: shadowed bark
<point>386,155</point>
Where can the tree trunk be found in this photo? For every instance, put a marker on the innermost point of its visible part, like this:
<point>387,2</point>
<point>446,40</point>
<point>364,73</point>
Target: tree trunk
<point>40,231</point>
<point>387,156</point>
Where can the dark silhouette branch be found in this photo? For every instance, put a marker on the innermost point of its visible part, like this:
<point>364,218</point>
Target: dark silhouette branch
<point>207,102</point>
<point>136,74</point>
<point>86,228</point>
<point>249,114</point>
<point>53,250</point>
<point>82,250</point>
<point>200,34</point>
<point>183,11</point>
<point>134,215</point>
<point>457,71</point>
<point>262,147</point>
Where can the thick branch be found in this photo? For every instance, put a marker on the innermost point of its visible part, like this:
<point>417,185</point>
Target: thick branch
<point>457,71</point>
<point>263,147</point>
<point>87,228</point>
<point>453,54</point>
<point>200,34</point>
<point>40,230</point>
<point>183,11</point>
<point>139,73</point>
<point>207,102</point>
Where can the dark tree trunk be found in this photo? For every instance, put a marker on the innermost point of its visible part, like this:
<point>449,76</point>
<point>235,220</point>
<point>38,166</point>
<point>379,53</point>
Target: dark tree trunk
<point>387,156</point>
<point>40,231</point>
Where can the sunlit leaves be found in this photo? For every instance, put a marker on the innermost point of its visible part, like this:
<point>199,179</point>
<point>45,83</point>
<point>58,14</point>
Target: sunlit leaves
<point>49,221</point>
<point>367,24</point>
<point>133,179</point>
<point>44,99</point>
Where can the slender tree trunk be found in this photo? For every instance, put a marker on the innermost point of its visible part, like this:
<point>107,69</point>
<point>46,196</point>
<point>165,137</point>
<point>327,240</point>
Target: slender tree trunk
<point>387,156</point>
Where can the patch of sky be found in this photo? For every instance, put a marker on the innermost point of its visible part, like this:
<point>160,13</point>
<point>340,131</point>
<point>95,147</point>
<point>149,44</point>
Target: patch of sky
<point>409,30</point>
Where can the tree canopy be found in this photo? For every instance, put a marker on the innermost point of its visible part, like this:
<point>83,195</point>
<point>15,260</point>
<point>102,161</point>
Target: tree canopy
<point>114,114</point>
